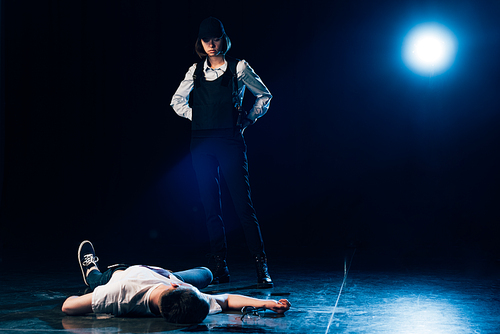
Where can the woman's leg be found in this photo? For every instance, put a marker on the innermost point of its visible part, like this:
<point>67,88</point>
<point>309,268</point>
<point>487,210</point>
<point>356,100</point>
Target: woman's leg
<point>206,168</point>
<point>234,167</point>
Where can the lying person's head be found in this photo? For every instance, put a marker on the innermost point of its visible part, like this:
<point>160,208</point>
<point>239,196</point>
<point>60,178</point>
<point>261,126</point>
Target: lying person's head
<point>183,304</point>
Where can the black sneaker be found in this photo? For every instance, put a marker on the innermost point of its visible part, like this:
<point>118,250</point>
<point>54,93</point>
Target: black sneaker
<point>87,258</point>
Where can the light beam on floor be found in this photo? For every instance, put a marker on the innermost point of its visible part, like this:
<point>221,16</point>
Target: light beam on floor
<point>346,271</point>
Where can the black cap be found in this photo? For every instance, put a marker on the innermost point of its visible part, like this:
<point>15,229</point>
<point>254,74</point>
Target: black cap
<point>211,27</point>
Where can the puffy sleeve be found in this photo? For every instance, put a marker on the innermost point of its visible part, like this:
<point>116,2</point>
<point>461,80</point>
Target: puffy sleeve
<point>248,77</point>
<point>181,97</point>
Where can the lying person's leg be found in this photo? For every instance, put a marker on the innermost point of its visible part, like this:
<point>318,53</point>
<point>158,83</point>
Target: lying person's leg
<point>96,278</point>
<point>92,276</point>
<point>199,277</point>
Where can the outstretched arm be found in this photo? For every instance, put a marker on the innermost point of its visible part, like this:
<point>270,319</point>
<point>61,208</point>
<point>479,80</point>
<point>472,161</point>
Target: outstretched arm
<point>75,305</point>
<point>237,302</point>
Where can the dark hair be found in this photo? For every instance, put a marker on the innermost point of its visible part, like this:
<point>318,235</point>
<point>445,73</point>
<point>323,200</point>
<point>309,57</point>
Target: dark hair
<point>226,45</point>
<point>183,306</point>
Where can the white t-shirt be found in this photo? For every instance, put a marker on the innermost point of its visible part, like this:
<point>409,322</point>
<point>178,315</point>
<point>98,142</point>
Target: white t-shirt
<point>127,292</point>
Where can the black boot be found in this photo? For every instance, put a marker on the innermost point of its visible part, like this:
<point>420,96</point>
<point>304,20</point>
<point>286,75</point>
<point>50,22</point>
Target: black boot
<point>219,269</point>
<point>264,281</point>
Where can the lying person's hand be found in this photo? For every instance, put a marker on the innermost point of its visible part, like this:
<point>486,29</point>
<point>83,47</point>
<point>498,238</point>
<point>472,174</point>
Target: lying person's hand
<point>280,306</point>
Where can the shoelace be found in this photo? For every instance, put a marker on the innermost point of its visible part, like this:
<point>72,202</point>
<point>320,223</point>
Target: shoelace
<point>89,259</point>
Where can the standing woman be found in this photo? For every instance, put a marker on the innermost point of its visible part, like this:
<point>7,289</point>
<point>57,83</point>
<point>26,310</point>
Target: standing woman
<point>210,96</point>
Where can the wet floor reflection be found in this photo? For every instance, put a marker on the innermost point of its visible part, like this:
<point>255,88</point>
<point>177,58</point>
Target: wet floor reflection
<point>372,301</point>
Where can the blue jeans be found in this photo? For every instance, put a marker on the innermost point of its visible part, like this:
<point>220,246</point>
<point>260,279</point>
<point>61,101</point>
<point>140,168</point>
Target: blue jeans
<point>199,277</point>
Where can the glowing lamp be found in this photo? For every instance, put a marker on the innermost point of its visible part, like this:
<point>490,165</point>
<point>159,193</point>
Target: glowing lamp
<point>429,49</point>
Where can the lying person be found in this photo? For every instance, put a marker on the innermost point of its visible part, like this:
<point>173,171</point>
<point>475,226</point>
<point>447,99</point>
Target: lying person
<point>141,290</point>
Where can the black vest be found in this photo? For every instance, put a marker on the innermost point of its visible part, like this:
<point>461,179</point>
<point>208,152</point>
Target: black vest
<point>212,102</point>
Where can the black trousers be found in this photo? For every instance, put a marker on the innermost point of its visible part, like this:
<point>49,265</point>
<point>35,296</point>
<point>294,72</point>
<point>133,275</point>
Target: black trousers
<point>213,156</point>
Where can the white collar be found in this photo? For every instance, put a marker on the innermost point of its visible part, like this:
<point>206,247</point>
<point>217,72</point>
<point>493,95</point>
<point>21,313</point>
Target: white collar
<point>222,68</point>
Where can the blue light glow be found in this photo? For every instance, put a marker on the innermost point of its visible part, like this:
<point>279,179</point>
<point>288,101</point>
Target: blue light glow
<point>429,49</point>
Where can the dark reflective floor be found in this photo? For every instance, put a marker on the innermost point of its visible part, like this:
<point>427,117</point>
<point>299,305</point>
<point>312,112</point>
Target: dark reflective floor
<point>347,292</point>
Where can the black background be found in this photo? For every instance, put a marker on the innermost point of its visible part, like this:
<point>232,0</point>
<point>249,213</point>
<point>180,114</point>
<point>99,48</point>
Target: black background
<point>355,149</point>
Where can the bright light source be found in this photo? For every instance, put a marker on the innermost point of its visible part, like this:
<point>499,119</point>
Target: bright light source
<point>429,49</point>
